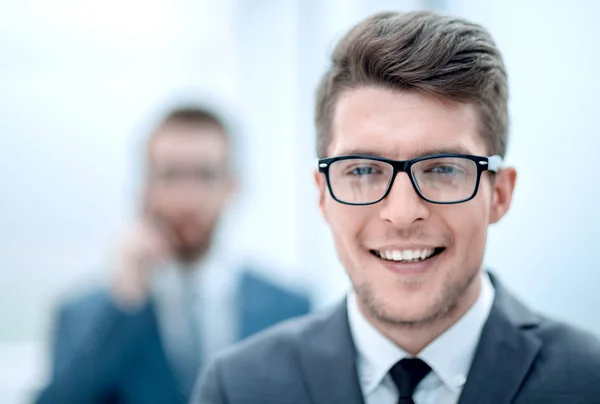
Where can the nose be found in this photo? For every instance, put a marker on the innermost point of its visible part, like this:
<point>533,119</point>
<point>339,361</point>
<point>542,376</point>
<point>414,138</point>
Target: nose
<point>187,197</point>
<point>403,206</point>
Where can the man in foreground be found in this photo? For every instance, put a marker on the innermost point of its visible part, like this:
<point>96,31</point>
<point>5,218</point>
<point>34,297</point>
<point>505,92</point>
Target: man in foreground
<point>412,129</point>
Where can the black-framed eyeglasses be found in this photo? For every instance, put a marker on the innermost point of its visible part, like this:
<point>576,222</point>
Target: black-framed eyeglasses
<point>203,175</point>
<point>446,178</point>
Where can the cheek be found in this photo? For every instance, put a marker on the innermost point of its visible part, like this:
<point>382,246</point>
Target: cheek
<point>468,223</point>
<point>347,223</point>
<point>160,201</point>
<point>344,220</point>
<point>208,209</point>
<point>213,202</point>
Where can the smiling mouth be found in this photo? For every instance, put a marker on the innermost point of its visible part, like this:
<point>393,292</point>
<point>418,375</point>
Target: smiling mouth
<point>407,256</point>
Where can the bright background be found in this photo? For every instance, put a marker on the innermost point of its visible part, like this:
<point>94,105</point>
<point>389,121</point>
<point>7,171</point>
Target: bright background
<point>80,81</point>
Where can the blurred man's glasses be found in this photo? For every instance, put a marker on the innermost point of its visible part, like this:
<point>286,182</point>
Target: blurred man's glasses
<point>205,176</point>
<point>437,178</point>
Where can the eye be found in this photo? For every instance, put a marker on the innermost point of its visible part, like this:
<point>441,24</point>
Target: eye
<point>444,169</point>
<point>206,174</point>
<point>166,175</point>
<point>363,170</point>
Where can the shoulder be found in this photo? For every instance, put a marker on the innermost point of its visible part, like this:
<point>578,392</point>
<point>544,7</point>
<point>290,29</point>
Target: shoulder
<point>87,303</point>
<point>282,339</point>
<point>567,362</point>
<point>569,345</point>
<point>565,351</point>
<point>567,358</point>
<point>77,316</point>
<point>94,308</point>
<point>272,353</point>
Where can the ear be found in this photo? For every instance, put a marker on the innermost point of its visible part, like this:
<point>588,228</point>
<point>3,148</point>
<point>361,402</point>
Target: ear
<point>322,189</point>
<point>504,186</point>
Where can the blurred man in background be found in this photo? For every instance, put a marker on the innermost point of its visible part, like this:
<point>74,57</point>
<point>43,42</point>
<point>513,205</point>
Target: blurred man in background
<point>174,299</point>
<point>412,129</point>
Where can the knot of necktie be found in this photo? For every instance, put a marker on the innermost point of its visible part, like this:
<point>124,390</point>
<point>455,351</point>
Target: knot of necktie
<point>407,374</point>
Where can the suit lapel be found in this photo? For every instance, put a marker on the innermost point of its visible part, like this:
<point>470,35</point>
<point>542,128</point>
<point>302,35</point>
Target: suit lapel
<point>247,313</point>
<point>505,352</point>
<point>153,380</point>
<point>327,358</point>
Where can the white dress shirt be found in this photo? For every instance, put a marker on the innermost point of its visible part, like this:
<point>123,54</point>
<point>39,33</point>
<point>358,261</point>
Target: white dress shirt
<point>449,355</point>
<point>196,306</point>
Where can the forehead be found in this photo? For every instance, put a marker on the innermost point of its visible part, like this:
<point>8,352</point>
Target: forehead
<point>188,144</point>
<point>402,125</point>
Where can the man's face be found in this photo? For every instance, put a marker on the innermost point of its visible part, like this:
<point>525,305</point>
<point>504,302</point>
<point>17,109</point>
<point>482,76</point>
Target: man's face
<point>402,126</point>
<point>189,182</point>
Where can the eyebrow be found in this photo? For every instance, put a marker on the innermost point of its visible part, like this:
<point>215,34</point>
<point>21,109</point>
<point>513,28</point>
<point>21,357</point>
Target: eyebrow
<point>414,154</point>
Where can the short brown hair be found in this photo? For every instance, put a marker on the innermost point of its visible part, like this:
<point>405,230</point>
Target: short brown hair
<point>449,58</point>
<point>197,116</point>
<point>194,115</point>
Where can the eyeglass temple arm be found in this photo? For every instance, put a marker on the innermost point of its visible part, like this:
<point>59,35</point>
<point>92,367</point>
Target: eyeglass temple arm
<point>495,163</point>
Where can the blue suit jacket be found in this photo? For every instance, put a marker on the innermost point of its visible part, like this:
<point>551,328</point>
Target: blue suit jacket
<point>102,355</point>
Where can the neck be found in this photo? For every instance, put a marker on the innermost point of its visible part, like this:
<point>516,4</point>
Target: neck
<point>414,338</point>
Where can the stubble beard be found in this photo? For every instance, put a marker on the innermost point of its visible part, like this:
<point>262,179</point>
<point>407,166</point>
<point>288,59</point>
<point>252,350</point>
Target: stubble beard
<point>190,251</point>
<point>441,308</point>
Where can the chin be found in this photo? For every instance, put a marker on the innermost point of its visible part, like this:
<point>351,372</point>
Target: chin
<point>191,253</point>
<point>413,314</point>
<point>412,309</point>
<point>403,302</point>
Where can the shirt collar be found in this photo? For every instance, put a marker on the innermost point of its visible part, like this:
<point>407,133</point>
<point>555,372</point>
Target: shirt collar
<point>449,355</point>
<point>213,277</point>
<point>376,353</point>
<point>217,276</point>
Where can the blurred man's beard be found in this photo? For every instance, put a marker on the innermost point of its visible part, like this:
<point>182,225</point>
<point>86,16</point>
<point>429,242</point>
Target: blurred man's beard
<point>190,253</point>
<point>188,247</point>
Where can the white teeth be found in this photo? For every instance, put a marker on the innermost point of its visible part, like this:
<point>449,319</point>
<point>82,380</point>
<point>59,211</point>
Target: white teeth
<point>405,255</point>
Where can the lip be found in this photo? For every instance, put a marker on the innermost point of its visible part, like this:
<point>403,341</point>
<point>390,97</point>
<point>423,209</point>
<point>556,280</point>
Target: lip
<point>406,247</point>
<point>409,268</point>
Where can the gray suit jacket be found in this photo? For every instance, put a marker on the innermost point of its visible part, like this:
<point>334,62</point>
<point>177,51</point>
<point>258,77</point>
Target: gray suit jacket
<point>522,358</point>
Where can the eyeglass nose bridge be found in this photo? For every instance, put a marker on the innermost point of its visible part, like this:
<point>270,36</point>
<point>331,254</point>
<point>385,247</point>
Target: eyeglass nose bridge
<point>402,166</point>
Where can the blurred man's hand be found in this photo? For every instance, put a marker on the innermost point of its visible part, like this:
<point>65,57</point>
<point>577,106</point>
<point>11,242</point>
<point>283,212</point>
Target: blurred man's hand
<point>145,246</point>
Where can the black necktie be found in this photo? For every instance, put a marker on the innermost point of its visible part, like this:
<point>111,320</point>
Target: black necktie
<point>407,374</point>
